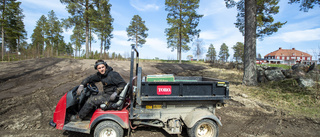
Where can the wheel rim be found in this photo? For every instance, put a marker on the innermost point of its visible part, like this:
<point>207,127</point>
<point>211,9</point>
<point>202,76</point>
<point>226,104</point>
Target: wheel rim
<point>108,132</point>
<point>205,130</point>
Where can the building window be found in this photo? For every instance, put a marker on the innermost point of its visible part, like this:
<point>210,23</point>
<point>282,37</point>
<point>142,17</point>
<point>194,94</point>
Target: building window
<point>288,58</point>
<point>308,58</point>
<point>278,57</point>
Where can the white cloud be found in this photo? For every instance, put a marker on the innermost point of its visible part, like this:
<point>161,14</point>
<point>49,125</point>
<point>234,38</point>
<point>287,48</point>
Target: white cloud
<point>299,36</point>
<point>209,35</point>
<point>211,7</point>
<point>144,5</point>
<point>157,44</point>
<point>120,38</point>
<point>120,33</point>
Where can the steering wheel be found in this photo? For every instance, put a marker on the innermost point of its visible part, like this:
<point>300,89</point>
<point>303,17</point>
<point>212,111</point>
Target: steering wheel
<point>93,88</point>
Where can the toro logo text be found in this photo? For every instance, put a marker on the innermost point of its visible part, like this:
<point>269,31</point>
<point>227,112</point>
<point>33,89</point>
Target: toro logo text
<point>164,90</point>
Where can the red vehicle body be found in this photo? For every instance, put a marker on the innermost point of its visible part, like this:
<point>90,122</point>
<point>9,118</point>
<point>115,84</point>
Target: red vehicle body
<point>59,117</point>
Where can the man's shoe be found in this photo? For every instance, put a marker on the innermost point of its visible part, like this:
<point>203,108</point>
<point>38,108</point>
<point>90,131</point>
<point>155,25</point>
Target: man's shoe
<point>75,118</point>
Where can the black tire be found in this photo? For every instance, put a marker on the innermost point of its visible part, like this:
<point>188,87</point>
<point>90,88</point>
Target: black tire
<point>108,129</point>
<point>204,128</point>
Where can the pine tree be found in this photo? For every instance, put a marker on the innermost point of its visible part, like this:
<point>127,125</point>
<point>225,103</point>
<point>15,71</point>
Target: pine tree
<point>224,53</point>
<point>137,31</point>
<point>211,54</point>
<point>37,40</point>
<point>238,51</point>
<point>4,24</point>
<point>183,19</point>
<point>12,26</point>
<point>82,12</point>
<point>254,20</point>
<point>264,16</point>
<point>103,25</point>
<point>77,38</point>
<point>305,5</point>
<point>42,23</point>
<point>53,32</point>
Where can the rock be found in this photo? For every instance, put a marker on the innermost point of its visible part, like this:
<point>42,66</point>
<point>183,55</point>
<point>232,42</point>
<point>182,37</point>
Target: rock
<point>312,67</point>
<point>305,82</point>
<point>298,73</point>
<point>302,67</point>
<point>261,75</point>
<point>314,75</point>
<point>273,68</point>
<point>264,67</point>
<point>288,73</point>
<point>274,75</point>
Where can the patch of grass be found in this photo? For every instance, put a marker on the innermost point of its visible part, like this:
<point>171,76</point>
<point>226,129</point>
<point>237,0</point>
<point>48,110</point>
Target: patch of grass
<point>287,95</point>
<point>276,65</point>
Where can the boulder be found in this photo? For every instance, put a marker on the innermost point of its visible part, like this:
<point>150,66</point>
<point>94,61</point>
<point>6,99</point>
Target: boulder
<point>314,75</point>
<point>305,82</point>
<point>274,74</point>
<point>298,73</point>
<point>312,67</point>
<point>299,67</point>
<point>261,75</point>
<point>288,73</point>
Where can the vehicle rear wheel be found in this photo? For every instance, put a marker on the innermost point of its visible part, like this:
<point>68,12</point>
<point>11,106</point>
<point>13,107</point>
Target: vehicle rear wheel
<point>108,129</point>
<point>204,128</point>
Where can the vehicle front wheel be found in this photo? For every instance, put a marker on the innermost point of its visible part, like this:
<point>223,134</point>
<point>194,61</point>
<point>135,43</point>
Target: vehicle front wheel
<point>204,128</point>
<point>108,129</point>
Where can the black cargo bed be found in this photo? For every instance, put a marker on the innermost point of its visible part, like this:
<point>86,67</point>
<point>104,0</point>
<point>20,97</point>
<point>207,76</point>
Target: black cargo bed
<point>185,89</point>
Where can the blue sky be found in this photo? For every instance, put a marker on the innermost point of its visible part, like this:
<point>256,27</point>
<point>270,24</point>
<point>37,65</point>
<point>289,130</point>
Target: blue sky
<point>302,31</point>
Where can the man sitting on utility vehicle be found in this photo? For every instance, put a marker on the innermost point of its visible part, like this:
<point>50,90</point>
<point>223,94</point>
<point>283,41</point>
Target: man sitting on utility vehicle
<point>112,82</point>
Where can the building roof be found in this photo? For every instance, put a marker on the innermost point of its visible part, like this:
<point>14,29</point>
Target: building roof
<point>288,52</point>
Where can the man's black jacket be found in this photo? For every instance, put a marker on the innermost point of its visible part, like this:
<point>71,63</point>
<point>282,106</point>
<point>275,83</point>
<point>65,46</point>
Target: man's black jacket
<point>111,80</point>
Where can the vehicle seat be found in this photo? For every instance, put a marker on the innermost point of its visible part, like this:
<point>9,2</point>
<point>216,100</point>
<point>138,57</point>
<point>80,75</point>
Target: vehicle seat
<point>120,103</point>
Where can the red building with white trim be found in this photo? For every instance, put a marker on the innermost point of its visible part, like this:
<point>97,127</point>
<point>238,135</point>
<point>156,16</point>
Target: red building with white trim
<point>288,56</point>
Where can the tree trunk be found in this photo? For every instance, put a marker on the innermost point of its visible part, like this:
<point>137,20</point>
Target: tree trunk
<point>57,49</point>
<point>91,54</point>
<point>136,42</point>
<point>2,30</point>
<point>43,46</point>
<point>3,41</point>
<point>18,45</point>
<point>101,49</point>
<point>250,74</point>
<point>87,31</point>
<point>38,50</point>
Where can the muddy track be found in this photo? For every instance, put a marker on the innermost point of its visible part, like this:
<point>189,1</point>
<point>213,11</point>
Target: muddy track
<point>31,89</point>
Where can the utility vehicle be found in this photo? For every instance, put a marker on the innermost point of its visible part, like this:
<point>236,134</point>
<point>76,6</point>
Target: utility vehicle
<point>164,101</point>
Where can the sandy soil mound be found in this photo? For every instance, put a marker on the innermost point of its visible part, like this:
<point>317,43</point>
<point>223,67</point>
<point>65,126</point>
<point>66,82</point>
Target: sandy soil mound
<point>30,89</point>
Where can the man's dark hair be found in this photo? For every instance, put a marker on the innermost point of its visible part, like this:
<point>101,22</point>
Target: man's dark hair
<point>99,62</point>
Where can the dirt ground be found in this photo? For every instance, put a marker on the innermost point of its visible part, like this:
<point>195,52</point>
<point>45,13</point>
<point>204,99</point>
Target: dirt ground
<point>30,89</point>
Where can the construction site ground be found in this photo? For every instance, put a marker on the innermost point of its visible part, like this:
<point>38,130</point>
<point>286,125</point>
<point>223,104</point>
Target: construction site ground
<point>30,90</point>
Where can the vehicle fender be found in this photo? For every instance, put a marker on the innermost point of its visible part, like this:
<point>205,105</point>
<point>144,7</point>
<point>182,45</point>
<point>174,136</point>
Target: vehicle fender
<point>196,115</point>
<point>112,117</point>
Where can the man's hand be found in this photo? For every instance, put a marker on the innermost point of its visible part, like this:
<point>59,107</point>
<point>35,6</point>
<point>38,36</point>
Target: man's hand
<point>80,88</point>
<point>113,96</point>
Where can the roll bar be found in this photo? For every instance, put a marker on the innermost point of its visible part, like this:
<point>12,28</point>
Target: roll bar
<point>133,50</point>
